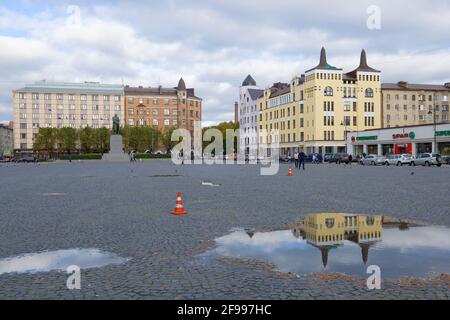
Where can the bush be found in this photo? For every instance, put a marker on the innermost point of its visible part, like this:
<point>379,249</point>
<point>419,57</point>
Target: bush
<point>152,156</point>
<point>87,156</point>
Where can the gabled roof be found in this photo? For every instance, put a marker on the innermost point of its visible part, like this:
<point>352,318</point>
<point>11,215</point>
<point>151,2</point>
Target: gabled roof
<point>249,81</point>
<point>323,63</point>
<point>363,67</point>
<point>279,89</point>
<point>255,93</point>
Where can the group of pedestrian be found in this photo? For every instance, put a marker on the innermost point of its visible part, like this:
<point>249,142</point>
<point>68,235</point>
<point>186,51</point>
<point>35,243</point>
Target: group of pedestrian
<point>299,160</point>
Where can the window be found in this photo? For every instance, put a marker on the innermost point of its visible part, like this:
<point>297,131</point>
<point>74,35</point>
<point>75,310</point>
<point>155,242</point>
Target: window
<point>105,98</point>
<point>155,122</point>
<point>35,96</point>
<point>84,107</point>
<point>369,93</point>
<point>59,97</point>
<point>166,112</point>
<point>166,122</point>
<point>47,96</point>
<point>71,97</point>
<point>117,98</point>
<point>22,95</point>
<point>166,101</point>
<point>328,92</point>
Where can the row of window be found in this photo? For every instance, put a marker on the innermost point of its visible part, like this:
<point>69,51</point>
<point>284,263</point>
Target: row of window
<point>166,112</point>
<point>420,97</point>
<point>328,92</point>
<point>70,97</point>
<point>369,107</point>
<point>165,101</point>
<point>369,121</point>
<point>49,107</point>
<point>421,117</point>
<point>420,108</point>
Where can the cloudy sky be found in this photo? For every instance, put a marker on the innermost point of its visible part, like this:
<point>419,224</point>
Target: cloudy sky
<point>214,44</point>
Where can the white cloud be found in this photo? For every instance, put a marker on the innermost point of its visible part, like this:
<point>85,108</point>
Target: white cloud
<point>214,45</point>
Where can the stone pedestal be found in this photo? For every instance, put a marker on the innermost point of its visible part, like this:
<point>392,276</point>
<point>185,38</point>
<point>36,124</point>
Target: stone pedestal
<point>116,152</point>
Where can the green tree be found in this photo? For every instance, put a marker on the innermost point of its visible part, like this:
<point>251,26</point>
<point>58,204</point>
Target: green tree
<point>46,139</point>
<point>166,139</point>
<point>67,138</point>
<point>87,139</point>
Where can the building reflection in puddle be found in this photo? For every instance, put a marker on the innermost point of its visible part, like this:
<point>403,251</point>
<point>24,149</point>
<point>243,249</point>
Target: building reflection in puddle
<point>327,231</point>
<point>347,243</point>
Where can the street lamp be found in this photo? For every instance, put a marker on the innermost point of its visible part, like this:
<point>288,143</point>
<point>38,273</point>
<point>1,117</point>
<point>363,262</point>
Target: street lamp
<point>344,123</point>
<point>434,122</point>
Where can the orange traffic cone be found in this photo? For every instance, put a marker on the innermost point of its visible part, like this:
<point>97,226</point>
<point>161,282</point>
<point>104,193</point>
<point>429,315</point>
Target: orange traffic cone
<point>290,173</point>
<point>179,209</point>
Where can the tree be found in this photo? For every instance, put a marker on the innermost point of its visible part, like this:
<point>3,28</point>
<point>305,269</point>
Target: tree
<point>87,139</point>
<point>166,139</point>
<point>46,139</point>
<point>67,138</point>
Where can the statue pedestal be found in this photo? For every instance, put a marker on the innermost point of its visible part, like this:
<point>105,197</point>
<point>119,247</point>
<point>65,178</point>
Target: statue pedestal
<point>116,152</point>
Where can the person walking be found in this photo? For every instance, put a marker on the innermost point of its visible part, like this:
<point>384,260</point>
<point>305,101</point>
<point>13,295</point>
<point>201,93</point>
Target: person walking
<point>296,159</point>
<point>301,157</point>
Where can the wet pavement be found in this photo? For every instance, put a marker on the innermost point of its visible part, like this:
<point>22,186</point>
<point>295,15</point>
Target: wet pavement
<point>421,252</point>
<point>120,210</point>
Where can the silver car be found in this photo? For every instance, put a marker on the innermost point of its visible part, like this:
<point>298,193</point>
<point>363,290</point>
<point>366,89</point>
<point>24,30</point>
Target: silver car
<point>399,160</point>
<point>429,159</point>
<point>373,160</point>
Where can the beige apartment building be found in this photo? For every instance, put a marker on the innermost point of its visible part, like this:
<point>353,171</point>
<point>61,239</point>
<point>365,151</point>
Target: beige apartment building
<point>314,112</point>
<point>406,104</point>
<point>57,105</point>
<point>160,107</point>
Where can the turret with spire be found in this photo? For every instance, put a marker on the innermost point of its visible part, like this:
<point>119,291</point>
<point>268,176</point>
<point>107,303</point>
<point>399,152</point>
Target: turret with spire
<point>363,66</point>
<point>323,63</point>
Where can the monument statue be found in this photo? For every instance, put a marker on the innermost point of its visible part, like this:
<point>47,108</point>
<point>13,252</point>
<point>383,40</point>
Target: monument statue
<point>116,124</point>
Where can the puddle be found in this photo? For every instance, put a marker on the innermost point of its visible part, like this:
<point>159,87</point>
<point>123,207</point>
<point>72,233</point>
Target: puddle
<point>209,184</point>
<point>54,194</point>
<point>58,261</point>
<point>347,244</point>
<point>164,175</point>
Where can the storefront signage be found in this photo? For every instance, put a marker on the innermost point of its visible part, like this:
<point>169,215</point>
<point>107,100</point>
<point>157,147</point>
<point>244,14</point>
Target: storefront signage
<point>410,135</point>
<point>442,133</point>
<point>365,138</point>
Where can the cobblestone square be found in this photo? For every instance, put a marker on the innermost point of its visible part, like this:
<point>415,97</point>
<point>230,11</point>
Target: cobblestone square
<point>124,208</point>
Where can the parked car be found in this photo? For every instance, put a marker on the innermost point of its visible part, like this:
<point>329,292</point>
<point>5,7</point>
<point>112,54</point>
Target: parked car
<point>400,160</point>
<point>327,157</point>
<point>373,160</point>
<point>340,158</point>
<point>309,158</point>
<point>446,159</point>
<point>285,159</point>
<point>429,159</point>
<point>27,159</point>
<point>5,159</point>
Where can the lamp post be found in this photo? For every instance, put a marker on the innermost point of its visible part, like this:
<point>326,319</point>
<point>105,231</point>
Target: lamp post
<point>434,123</point>
<point>344,123</point>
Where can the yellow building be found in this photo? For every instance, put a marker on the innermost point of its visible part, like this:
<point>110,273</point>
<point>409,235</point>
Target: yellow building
<point>328,230</point>
<point>314,112</point>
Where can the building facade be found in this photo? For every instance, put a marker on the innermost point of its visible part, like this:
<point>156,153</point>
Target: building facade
<point>315,111</point>
<point>56,105</point>
<point>406,104</point>
<point>409,139</point>
<point>248,111</point>
<point>160,107</point>
<point>6,139</point>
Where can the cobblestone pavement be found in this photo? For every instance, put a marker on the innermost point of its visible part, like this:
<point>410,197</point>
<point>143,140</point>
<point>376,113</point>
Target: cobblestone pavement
<point>125,209</point>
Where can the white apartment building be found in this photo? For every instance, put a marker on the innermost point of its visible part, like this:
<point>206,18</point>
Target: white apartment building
<point>248,114</point>
<point>57,105</point>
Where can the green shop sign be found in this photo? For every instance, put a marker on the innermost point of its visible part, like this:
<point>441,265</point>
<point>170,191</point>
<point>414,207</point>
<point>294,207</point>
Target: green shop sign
<point>442,133</point>
<point>366,138</point>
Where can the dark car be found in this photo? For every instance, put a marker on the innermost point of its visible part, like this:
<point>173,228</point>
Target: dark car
<point>340,158</point>
<point>309,158</point>
<point>285,159</point>
<point>446,159</point>
<point>327,157</point>
<point>5,159</point>
<point>27,159</point>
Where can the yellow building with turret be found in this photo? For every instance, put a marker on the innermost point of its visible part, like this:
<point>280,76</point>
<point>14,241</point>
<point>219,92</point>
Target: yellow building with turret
<point>313,112</point>
<point>328,230</point>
